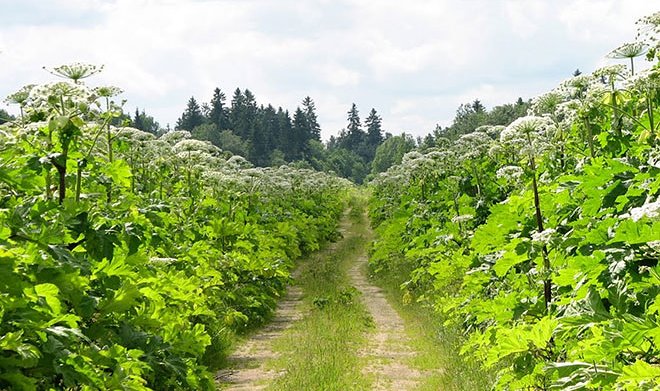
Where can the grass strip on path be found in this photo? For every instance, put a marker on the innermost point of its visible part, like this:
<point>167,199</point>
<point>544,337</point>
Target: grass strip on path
<point>320,351</point>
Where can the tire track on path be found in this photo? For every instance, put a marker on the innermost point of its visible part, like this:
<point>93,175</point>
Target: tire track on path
<point>388,351</point>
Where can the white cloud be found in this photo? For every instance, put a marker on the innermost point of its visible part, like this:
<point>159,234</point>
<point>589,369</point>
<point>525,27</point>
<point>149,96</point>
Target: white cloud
<point>413,61</point>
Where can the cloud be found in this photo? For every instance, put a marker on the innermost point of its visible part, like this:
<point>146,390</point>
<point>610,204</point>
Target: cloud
<point>414,61</point>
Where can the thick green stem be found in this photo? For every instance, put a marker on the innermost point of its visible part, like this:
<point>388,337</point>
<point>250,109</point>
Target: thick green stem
<point>458,213</point>
<point>590,138</point>
<point>632,66</point>
<point>478,179</point>
<point>108,189</point>
<point>616,118</point>
<point>649,110</point>
<point>61,170</point>
<point>547,282</point>
<point>78,181</point>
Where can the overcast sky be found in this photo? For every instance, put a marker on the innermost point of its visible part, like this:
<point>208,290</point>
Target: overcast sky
<point>414,61</point>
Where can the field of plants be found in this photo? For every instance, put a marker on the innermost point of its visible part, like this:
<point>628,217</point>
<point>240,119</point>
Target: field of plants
<point>128,261</point>
<point>541,239</point>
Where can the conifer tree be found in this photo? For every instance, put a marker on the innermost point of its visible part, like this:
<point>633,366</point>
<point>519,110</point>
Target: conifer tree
<point>218,114</point>
<point>312,121</point>
<point>192,117</point>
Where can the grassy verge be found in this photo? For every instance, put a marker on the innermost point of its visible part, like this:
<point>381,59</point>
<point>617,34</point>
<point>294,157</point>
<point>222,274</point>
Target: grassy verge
<point>320,351</point>
<point>437,346</point>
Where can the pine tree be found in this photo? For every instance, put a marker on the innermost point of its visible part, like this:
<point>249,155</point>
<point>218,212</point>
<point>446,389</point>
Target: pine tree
<point>374,134</point>
<point>354,137</point>
<point>237,111</point>
<point>269,123</point>
<point>137,120</point>
<point>301,134</point>
<point>145,122</point>
<point>243,113</point>
<point>190,118</point>
<point>374,130</point>
<point>5,116</point>
<point>354,124</point>
<point>218,113</point>
<point>312,121</point>
<point>285,133</point>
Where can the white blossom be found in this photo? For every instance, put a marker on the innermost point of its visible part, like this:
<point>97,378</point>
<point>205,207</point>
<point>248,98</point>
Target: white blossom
<point>133,134</point>
<point>462,218</point>
<point>544,237</point>
<point>75,71</point>
<point>175,136</point>
<point>510,173</point>
<point>472,145</point>
<point>649,209</point>
<point>187,145</point>
<point>530,135</point>
<point>53,95</point>
<point>237,162</point>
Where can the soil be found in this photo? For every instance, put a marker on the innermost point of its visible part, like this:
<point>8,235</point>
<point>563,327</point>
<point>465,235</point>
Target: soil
<point>386,354</point>
<point>387,351</point>
<point>246,365</point>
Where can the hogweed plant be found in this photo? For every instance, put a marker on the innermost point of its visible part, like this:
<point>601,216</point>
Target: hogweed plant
<point>533,137</point>
<point>555,280</point>
<point>126,285</point>
<point>630,51</point>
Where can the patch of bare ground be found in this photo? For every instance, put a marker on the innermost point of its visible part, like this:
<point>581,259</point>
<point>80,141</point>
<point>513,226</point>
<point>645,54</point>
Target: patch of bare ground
<point>246,369</point>
<point>388,351</point>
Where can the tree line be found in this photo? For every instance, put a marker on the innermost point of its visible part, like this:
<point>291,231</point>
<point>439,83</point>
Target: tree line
<point>269,136</point>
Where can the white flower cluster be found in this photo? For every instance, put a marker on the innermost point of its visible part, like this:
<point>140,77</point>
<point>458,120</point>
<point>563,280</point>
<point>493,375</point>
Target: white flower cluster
<point>510,173</point>
<point>21,96</point>
<point>612,73</point>
<point>443,239</point>
<point>462,218</point>
<point>107,91</point>
<point>654,157</point>
<point>547,103</point>
<point>238,162</point>
<point>61,96</point>
<point>544,237</point>
<point>472,146</point>
<point>531,135</point>
<point>175,136</point>
<point>644,81</point>
<point>189,145</point>
<point>76,71</point>
<point>132,134</point>
<point>493,131</point>
<point>577,86</point>
<point>649,210</point>
<point>648,30</point>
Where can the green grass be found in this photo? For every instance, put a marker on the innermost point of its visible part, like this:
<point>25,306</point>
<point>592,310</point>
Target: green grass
<point>437,346</point>
<point>320,351</point>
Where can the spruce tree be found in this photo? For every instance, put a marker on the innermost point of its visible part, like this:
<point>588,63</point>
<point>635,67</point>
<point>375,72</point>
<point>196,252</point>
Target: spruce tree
<point>285,134</point>
<point>374,134</point>
<point>354,137</point>
<point>137,120</point>
<point>312,121</point>
<point>374,130</point>
<point>301,135</point>
<point>192,117</point>
<point>354,124</point>
<point>218,113</point>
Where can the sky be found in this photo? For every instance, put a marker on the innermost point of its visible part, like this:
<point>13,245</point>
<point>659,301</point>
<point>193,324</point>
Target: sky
<point>414,61</point>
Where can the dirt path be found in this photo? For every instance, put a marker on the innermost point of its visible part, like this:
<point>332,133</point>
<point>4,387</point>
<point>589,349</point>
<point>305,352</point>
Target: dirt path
<point>246,365</point>
<point>386,353</point>
<point>388,349</point>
